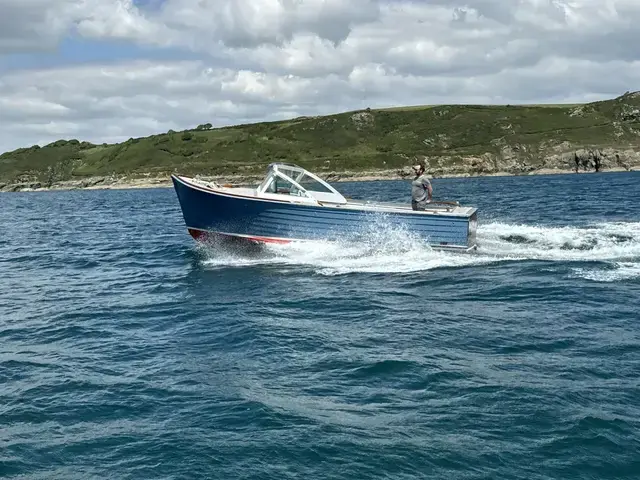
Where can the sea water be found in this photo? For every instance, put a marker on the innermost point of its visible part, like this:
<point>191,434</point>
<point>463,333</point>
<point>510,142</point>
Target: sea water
<point>127,351</point>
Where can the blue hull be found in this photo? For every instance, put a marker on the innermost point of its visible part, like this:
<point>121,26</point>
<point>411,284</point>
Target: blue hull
<point>209,212</point>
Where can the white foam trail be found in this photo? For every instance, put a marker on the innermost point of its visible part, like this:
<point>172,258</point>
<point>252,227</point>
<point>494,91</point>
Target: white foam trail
<point>607,241</point>
<point>620,271</point>
<point>333,259</point>
<point>385,249</point>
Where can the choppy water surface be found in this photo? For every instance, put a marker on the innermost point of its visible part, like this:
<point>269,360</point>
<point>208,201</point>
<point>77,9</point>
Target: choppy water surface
<point>128,352</point>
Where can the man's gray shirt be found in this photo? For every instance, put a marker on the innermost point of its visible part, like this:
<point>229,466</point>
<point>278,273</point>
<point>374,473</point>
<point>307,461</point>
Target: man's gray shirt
<point>419,189</point>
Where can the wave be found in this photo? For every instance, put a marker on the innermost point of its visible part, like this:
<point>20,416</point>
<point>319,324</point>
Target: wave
<point>618,271</point>
<point>606,241</point>
<point>387,249</point>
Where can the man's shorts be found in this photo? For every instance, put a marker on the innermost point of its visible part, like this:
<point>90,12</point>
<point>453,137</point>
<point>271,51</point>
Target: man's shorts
<point>419,205</point>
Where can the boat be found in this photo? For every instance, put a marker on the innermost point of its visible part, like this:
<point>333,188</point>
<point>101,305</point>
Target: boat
<point>293,204</point>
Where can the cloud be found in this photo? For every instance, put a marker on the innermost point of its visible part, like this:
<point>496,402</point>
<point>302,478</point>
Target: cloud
<point>248,23</point>
<point>139,98</point>
<point>253,60</point>
<point>118,19</point>
<point>27,25</point>
<point>33,25</point>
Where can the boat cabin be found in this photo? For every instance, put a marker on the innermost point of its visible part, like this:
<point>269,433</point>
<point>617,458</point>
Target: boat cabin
<point>292,180</point>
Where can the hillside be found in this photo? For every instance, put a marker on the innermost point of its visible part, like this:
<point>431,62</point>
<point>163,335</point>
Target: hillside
<point>452,139</point>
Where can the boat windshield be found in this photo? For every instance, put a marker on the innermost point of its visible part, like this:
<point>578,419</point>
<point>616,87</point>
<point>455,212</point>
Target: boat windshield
<point>293,180</point>
<point>280,185</point>
<point>311,184</point>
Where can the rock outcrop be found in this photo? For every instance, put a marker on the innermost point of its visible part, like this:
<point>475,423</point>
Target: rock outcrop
<point>520,160</point>
<point>362,119</point>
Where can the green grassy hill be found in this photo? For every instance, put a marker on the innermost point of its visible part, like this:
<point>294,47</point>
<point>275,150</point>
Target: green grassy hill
<point>450,138</point>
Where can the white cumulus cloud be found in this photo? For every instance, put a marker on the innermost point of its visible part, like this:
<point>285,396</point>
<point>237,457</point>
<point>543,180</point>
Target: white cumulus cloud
<point>231,61</point>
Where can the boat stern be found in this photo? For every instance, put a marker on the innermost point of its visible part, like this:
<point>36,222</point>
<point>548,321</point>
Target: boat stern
<point>472,235</point>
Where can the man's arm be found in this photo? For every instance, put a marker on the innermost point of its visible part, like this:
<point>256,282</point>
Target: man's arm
<point>429,190</point>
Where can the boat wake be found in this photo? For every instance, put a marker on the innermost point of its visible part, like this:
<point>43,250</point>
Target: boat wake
<point>612,248</point>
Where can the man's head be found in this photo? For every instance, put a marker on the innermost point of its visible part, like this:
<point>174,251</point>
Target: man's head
<point>418,169</point>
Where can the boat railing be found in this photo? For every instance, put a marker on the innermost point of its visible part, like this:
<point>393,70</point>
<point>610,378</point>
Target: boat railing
<point>205,183</point>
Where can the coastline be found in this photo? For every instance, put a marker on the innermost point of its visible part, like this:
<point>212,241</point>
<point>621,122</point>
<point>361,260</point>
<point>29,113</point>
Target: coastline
<point>125,183</point>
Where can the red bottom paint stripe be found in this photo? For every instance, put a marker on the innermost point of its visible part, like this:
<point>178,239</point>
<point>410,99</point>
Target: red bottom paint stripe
<point>202,235</point>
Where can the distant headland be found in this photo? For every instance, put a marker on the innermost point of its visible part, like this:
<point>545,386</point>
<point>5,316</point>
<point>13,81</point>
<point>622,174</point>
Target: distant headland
<point>453,141</point>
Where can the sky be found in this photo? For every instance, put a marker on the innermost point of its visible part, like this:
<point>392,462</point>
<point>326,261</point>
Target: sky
<point>108,70</point>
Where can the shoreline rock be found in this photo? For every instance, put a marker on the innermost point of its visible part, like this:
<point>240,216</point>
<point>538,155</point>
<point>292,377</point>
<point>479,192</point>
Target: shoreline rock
<point>125,183</point>
<point>513,160</point>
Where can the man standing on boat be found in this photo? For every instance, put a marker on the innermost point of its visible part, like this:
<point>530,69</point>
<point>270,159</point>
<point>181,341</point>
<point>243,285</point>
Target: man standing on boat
<point>421,189</point>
